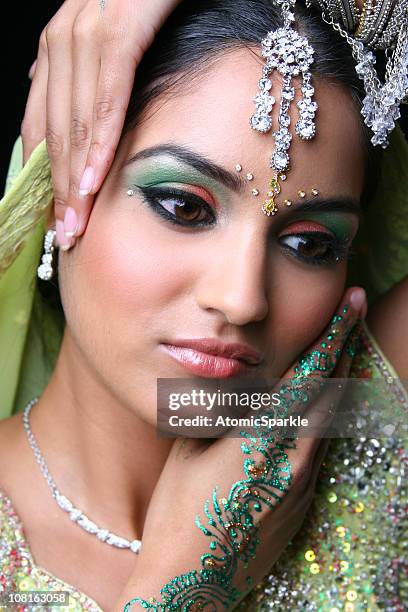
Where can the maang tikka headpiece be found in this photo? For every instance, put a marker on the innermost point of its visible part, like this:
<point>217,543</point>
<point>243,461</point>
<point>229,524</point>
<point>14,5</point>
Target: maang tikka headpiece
<point>290,54</point>
<point>380,25</point>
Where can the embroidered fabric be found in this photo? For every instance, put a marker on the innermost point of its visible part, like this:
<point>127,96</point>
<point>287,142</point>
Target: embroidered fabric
<point>351,552</point>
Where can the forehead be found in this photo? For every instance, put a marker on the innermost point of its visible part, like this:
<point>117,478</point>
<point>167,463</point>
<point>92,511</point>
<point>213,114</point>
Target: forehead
<point>211,113</point>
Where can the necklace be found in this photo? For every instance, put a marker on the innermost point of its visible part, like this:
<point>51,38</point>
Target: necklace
<point>76,515</point>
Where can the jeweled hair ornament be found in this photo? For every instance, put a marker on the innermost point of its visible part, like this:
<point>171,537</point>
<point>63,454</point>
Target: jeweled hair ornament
<point>291,55</point>
<point>380,25</point>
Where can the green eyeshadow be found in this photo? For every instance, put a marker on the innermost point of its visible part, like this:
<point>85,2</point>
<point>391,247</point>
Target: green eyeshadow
<point>166,169</point>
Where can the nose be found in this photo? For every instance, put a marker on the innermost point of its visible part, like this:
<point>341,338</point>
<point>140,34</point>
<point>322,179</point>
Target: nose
<point>234,280</point>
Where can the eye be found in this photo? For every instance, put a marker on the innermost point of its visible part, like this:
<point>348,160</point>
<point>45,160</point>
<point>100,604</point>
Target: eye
<point>316,248</point>
<point>178,206</point>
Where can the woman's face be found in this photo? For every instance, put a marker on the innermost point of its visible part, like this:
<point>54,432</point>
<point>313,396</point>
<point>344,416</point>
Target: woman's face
<point>191,255</point>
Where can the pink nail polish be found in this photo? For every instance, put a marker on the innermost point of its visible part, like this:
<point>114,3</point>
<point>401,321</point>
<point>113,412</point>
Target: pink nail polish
<point>87,182</point>
<point>70,222</point>
<point>62,240</point>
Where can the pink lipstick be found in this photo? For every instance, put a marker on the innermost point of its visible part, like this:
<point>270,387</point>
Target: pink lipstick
<point>212,358</point>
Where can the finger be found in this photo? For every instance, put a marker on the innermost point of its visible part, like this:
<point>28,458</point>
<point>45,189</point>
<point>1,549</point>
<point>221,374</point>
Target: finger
<point>59,93</point>
<point>119,60</point>
<point>33,127</point>
<point>85,74</point>
<point>115,83</point>
<point>325,409</point>
<point>320,413</point>
<point>59,111</point>
<point>317,418</point>
<point>34,121</point>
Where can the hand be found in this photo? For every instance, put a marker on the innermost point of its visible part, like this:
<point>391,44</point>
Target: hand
<point>173,545</point>
<point>83,77</point>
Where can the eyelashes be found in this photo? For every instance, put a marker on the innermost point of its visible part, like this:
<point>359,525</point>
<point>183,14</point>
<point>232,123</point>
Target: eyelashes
<point>186,209</point>
<point>178,206</point>
<point>316,248</point>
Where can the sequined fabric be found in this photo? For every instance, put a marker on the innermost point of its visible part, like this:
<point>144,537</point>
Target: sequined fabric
<point>19,572</point>
<point>350,555</point>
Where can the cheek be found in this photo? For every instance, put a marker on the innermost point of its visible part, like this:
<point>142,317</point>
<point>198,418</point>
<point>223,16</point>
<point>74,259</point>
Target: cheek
<point>303,308</point>
<point>121,276</point>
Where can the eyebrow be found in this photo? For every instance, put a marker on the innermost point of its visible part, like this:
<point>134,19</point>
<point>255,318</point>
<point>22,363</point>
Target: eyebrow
<point>321,205</point>
<point>199,162</point>
<point>236,183</point>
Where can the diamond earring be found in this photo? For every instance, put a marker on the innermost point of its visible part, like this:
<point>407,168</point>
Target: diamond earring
<point>45,270</point>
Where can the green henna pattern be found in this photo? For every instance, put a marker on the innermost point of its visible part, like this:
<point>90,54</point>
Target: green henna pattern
<point>230,522</point>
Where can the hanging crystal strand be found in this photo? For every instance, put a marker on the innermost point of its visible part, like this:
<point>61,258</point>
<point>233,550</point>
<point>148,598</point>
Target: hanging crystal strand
<point>45,270</point>
<point>392,27</point>
<point>282,138</point>
<point>291,55</point>
<point>261,120</point>
<point>381,104</point>
<point>385,29</point>
<point>305,127</point>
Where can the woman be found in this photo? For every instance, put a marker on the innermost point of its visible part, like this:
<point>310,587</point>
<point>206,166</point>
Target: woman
<point>237,275</point>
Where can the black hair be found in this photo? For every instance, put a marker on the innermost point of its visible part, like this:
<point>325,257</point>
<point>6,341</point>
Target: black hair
<point>198,32</point>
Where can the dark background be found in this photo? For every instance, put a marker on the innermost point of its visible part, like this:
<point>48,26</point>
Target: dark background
<point>18,49</point>
<point>19,42</point>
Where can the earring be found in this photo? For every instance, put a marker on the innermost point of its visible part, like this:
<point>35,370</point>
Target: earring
<point>45,270</point>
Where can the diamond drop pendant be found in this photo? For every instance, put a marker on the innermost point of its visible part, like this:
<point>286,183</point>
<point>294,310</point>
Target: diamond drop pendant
<point>286,51</point>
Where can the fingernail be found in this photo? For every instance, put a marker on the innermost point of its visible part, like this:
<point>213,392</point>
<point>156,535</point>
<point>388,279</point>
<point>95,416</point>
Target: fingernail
<point>64,243</point>
<point>357,298</point>
<point>70,222</point>
<point>87,182</point>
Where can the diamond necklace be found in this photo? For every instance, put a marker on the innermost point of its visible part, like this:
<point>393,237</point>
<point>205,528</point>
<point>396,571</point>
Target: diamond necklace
<point>76,515</point>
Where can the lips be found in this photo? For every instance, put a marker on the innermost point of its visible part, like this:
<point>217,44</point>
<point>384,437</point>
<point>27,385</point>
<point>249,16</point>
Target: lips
<point>213,358</point>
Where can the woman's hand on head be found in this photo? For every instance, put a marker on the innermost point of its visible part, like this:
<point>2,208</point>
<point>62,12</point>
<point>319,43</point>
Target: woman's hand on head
<point>81,85</point>
<point>263,492</point>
